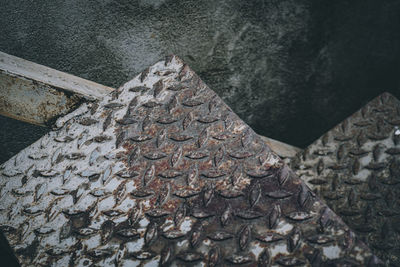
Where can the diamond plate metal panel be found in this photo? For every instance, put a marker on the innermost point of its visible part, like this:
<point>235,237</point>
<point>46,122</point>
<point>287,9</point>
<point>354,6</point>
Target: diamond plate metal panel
<point>162,172</point>
<point>355,168</point>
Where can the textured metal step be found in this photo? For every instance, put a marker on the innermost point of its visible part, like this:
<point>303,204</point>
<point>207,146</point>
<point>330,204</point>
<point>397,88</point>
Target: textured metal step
<point>162,172</point>
<point>355,168</point>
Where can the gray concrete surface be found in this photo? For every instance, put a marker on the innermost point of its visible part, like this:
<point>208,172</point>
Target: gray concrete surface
<point>292,69</point>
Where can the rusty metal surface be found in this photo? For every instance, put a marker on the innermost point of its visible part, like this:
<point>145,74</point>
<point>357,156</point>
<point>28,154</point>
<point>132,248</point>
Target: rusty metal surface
<point>162,172</point>
<point>355,168</point>
<point>37,94</point>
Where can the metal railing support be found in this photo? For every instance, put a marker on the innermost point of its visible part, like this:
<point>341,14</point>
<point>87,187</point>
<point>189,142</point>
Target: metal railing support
<point>38,94</point>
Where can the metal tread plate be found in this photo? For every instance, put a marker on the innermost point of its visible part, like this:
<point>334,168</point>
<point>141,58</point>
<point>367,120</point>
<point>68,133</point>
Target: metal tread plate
<point>162,172</point>
<point>355,168</point>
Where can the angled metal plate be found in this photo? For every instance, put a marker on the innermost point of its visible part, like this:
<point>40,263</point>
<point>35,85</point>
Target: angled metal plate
<point>162,172</point>
<point>355,168</point>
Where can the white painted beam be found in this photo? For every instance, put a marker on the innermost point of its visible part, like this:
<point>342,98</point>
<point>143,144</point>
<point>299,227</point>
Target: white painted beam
<point>38,94</point>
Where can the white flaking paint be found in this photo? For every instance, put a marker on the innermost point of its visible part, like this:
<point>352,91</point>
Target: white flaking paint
<point>331,252</point>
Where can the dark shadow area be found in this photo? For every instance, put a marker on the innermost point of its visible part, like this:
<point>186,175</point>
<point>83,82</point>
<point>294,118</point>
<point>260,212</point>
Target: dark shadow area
<point>16,135</point>
<point>351,54</point>
<point>7,256</point>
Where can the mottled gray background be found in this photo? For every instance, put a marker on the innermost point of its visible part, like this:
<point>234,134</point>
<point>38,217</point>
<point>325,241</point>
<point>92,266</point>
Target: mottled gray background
<point>291,69</point>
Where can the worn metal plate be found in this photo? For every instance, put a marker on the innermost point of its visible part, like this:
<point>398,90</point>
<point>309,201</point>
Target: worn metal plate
<point>355,168</point>
<point>162,172</point>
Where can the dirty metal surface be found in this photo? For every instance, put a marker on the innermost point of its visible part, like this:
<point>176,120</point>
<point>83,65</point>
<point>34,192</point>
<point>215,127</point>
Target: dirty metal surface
<point>37,94</point>
<point>162,172</point>
<point>355,168</point>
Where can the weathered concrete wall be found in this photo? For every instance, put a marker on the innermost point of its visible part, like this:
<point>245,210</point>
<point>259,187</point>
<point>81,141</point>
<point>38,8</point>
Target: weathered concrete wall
<point>283,66</point>
<point>356,57</point>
